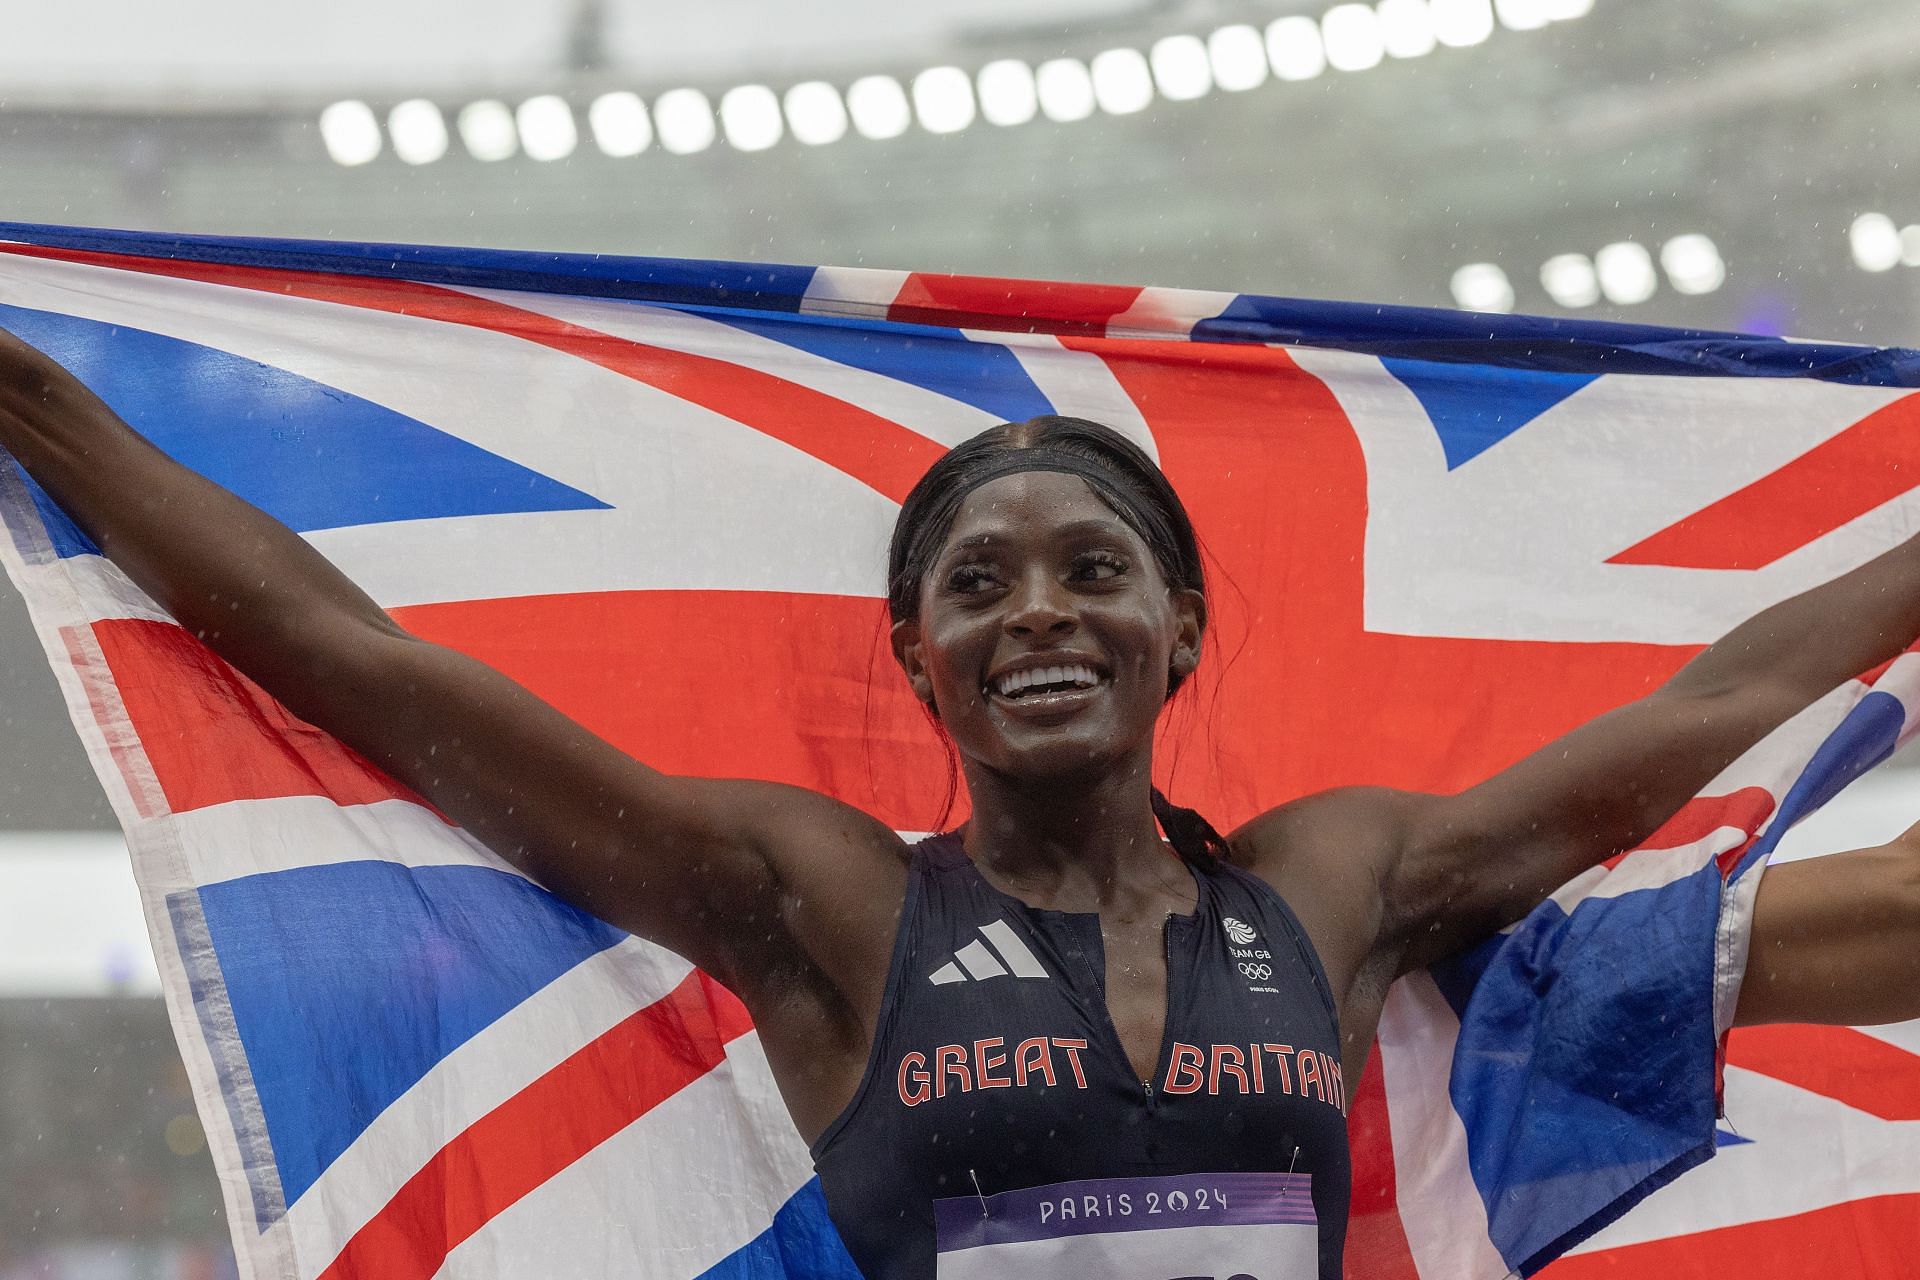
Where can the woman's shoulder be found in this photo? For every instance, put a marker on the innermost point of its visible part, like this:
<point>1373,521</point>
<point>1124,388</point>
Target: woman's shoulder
<point>1346,824</point>
<point>1331,857</point>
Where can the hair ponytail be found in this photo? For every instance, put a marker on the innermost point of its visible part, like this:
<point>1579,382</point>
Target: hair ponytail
<point>1191,835</point>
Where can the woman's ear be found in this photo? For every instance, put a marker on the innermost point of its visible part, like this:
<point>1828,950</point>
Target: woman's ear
<point>905,638</point>
<point>1190,618</point>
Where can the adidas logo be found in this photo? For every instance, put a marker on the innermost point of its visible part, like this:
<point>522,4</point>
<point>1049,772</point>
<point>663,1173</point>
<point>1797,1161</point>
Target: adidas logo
<point>981,961</point>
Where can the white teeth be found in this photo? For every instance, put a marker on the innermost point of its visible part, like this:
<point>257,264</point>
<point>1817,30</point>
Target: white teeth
<point>1078,674</point>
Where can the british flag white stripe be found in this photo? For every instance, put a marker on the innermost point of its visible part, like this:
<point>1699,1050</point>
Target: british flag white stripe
<point>103,592</point>
<point>852,291</point>
<point>254,837</point>
<point>1165,313</point>
<point>1078,383</point>
<point>718,1135</point>
<point>1445,1219</point>
<point>915,408</point>
<point>1902,1035</point>
<point>471,1081</point>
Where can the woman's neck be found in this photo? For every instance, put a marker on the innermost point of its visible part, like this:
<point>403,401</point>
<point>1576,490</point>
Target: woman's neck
<point>1079,845</point>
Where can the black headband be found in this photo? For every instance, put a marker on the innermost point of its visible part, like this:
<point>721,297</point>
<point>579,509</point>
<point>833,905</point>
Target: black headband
<point>1043,458</point>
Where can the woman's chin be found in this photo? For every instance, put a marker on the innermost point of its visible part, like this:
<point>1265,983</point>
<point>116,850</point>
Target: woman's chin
<point>1066,754</point>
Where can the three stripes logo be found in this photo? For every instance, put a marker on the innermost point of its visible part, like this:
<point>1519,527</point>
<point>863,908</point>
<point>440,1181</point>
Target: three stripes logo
<point>996,953</point>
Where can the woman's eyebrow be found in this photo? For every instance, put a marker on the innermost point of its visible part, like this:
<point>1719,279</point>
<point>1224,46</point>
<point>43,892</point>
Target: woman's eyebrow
<point>1091,525</point>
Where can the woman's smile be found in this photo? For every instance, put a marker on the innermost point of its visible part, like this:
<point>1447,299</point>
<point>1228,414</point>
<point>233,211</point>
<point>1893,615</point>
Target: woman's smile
<point>1047,687</point>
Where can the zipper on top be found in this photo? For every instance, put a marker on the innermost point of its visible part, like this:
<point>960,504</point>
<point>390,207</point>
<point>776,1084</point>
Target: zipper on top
<point>1148,1095</point>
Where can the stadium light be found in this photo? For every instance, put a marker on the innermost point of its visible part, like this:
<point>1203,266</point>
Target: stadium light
<point>1693,264</point>
<point>1910,245</point>
<point>1007,94</point>
<point>1180,68</point>
<point>683,121</point>
<point>879,108</point>
<point>1522,15</point>
<point>486,129</point>
<point>1569,280</point>
<point>1351,33</point>
<point>547,131</point>
<point>750,115</point>
<point>1122,83</point>
<point>1238,58</point>
<point>1406,27</point>
<point>1065,89</point>
<point>1626,272</point>
<point>815,113</point>
<point>418,130</point>
<point>943,99</point>
<point>1482,286</point>
<point>1875,242</point>
<point>1460,24</point>
<point>1566,10</point>
<point>351,134</point>
<point>1294,48</point>
<point>619,123</point>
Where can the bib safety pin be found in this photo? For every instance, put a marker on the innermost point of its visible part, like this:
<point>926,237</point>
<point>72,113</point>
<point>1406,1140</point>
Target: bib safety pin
<point>979,1194</point>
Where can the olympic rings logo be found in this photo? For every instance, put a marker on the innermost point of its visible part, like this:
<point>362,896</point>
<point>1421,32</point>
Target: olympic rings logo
<point>1255,972</point>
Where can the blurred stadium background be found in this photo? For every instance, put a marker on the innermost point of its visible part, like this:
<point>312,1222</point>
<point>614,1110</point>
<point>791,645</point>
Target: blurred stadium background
<point>1736,164</point>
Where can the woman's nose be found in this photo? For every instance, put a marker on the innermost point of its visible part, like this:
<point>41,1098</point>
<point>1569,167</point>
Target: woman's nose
<point>1039,607</point>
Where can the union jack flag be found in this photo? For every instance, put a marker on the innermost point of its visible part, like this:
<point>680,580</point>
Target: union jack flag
<point>1438,540</point>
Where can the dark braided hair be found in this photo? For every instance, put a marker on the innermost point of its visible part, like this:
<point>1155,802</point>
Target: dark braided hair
<point>1123,477</point>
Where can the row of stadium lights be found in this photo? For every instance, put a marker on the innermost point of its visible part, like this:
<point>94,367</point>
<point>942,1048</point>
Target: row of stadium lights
<point>1348,37</point>
<point>1623,273</point>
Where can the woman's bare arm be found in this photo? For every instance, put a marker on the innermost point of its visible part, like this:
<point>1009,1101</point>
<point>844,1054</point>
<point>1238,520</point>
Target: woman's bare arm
<point>1837,939</point>
<point>727,873</point>
<point>1467,864</point>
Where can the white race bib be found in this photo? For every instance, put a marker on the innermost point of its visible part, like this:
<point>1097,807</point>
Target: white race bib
<point>1226,1226</point>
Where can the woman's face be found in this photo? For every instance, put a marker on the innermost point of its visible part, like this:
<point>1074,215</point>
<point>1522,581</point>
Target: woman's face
<point>1047,632</point>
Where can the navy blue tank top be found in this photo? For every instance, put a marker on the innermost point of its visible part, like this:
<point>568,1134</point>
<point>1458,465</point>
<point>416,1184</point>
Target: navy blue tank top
<point>995,1065</point>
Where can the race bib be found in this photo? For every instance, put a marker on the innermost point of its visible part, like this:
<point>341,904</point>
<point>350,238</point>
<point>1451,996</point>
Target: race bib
<point>1227,1226</point>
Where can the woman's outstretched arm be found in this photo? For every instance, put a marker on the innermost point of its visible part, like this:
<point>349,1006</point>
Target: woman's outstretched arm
<point>1837,939</point>
<point>705,867</point>
<point>1445,871</point>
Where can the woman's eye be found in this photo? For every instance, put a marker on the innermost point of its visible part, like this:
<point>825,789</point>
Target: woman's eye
<point>1100,564</point>
<point>969,578</point>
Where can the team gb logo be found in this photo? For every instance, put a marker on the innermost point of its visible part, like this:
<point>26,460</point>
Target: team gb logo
<point>1237,933</point>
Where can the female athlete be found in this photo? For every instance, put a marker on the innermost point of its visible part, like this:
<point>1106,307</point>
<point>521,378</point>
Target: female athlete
<point>1036,998</point>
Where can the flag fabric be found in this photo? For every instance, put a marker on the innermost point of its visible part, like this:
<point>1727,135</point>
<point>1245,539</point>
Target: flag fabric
<point>1437,541</point>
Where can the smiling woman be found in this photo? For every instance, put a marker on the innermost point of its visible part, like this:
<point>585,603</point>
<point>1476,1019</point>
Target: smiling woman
<point>1045,1043</point>
<point>1048,600</point>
